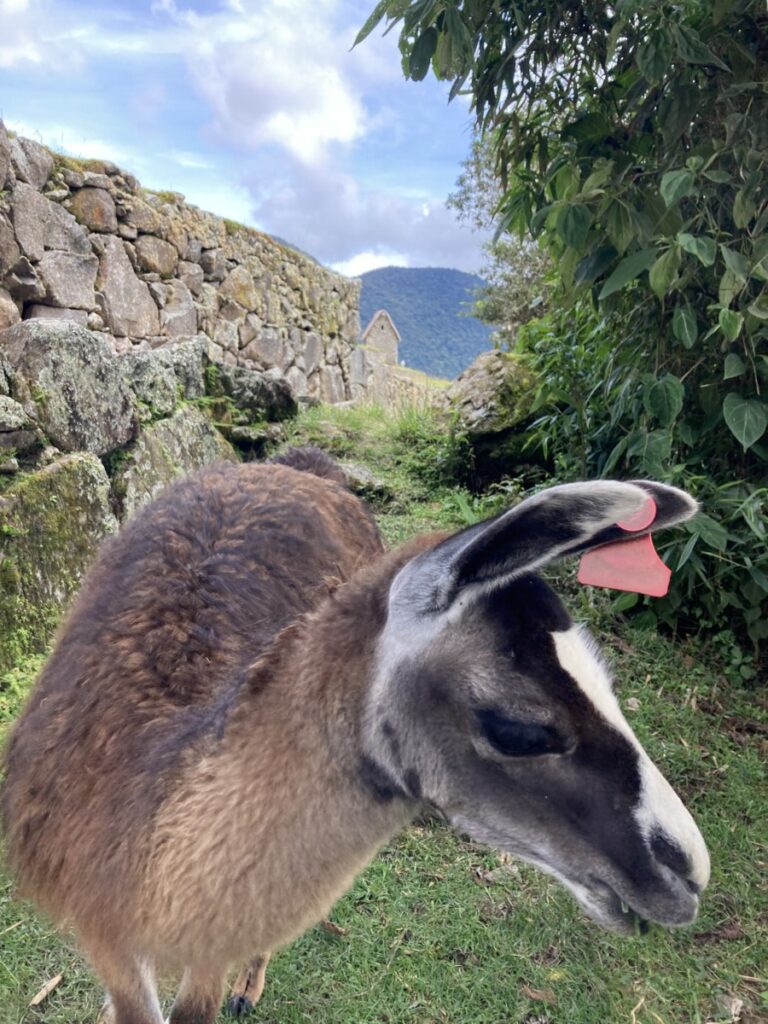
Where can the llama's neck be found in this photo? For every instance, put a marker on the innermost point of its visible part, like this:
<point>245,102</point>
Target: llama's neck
<point>298,810</point>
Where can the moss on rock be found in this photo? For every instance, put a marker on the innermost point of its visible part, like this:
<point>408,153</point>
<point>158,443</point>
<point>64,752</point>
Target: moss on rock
<point>51,525</point>
<point>165,450</point>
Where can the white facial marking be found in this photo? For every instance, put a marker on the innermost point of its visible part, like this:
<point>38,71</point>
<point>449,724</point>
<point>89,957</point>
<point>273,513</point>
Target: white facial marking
<point>660,809</point>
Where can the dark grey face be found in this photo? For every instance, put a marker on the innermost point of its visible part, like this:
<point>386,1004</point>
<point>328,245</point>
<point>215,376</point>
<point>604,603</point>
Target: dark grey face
<point>497,710</point>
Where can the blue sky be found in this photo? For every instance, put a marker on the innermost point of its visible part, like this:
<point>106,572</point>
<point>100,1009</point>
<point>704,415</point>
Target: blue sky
<point>255,109</point>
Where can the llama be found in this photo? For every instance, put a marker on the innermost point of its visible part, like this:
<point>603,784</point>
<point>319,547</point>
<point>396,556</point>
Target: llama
<point>250,696</point>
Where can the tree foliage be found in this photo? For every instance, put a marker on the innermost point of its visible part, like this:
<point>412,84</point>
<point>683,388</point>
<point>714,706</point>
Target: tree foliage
<point>631,140</point>
<point>516,271</point>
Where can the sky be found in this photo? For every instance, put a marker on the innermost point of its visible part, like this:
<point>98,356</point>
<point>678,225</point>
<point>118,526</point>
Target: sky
<point>258,110</point>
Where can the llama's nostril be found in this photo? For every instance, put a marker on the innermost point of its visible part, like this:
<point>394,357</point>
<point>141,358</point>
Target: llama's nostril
<point>670,855</point>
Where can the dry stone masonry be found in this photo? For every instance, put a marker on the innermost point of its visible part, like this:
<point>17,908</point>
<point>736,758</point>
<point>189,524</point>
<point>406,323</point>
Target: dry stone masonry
<point>84,242</point>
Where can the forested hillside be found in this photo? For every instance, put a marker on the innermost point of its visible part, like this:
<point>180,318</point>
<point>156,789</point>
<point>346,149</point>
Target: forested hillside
<point>429,306</point>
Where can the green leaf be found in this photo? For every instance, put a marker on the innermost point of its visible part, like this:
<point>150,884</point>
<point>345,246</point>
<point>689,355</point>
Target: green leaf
<point>728,288</point>
<point>573,225</point>
<point>736,263</point>
<point>721,177</point>
<point>421,54</point>
<point>629,268</point>
<point>730,323</point>
<point>625,601</point>
<point>692,49</point>
<point>734,366</point>
<point>655,452</point>
<point>664,399</point>
<point>685,554</point>
<point>619,226</point>
<point>675,185</point>
<point>744,207</point>
<point>373,20</point>
<point>759,307</point>
<point>701,246</point>
<point>594,265</point>
<point>654,55</point>
<point>711,532</point>
<point>746,418</point>
<point>602,169</point>
<point>684,326</point>
<point>664,271</point>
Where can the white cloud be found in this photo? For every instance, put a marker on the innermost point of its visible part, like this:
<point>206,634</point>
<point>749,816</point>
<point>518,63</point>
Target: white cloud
<point>30,33</point>
<point>328,213</point>
<point>365,261</point>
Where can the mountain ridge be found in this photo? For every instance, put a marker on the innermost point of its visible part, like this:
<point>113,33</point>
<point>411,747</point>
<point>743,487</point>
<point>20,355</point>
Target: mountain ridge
<point>430,308</point>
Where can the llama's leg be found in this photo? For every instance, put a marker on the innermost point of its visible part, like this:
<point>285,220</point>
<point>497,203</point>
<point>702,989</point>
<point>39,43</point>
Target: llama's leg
<point>246,991</point>
<point>131,993</point>
<point>199,997</point>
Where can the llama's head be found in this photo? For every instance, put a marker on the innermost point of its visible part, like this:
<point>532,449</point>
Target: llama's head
<point>490,704</point>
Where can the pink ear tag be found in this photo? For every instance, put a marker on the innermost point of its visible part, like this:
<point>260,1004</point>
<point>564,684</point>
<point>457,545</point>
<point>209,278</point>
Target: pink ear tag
<point>631,565</point>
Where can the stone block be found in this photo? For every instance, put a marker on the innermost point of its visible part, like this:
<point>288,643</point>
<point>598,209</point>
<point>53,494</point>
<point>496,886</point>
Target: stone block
<point>23,282</point>
<point>156,256</point>
<point>95,208</point>
<point>40,224</point>
<point>178,317</point>
<point>10,252</point>
<point>266,349</point>
<point>214,265</point>
<point>69,279</point>
<point>38,312</point>
<point>129,307</point>
<point>332,388</point>
<point>31,161</point>
<point>143,217</point>
<point>192,276</point>
<point>5,157</point>
<point>9,311</point>
<point>238,286</point>
<point>313,353</point>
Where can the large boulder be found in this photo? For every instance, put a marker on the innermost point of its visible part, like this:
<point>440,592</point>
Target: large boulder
<point>70,382</point>
<point>51,524</point>
<point>255,396</point>
<point>493,394</point>
<point>152,378</point>
<point>165,450</point>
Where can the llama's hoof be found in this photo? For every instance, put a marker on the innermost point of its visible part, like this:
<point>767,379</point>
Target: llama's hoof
<point>238,1006</point>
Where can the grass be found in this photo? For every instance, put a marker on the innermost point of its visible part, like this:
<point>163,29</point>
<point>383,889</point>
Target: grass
<point>440,931</point>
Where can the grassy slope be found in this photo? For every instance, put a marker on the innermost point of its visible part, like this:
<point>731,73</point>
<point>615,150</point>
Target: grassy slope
<point>428,935</point>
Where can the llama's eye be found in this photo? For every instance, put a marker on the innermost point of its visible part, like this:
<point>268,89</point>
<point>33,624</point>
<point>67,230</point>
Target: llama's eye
<point>514,738</point>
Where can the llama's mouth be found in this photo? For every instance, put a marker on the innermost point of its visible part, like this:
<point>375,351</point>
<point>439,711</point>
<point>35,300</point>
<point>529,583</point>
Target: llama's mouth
<point>613,912</point>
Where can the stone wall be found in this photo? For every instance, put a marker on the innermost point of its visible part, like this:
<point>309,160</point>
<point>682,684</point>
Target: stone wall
<point>373,378</point>
<point>83,241</point>
<point>87,437</point>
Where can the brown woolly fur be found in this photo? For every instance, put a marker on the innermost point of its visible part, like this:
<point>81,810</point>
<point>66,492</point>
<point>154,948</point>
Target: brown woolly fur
<point>150,792</point>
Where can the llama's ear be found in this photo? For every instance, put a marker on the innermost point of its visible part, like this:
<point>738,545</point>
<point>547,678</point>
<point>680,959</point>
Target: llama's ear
<point>560,521</point>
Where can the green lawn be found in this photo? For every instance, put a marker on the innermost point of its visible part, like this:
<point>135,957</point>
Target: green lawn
<point>440,930</point>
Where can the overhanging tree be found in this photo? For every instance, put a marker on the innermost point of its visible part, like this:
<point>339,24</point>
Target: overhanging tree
<point>631,139</point>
